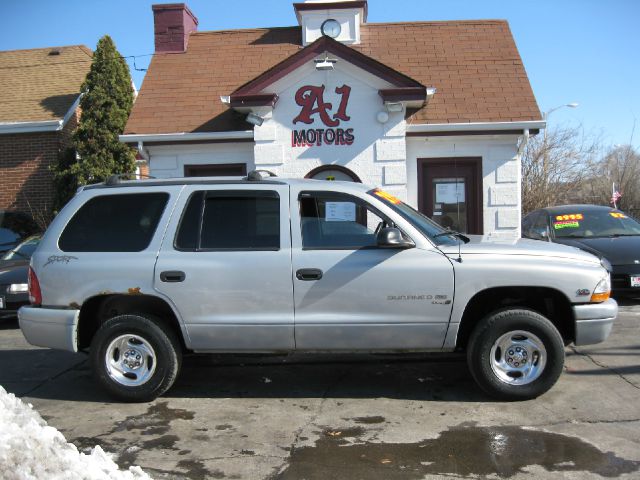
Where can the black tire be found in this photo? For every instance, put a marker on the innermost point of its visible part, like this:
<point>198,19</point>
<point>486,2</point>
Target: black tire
<point>503,380</point>
<point>134,333</point>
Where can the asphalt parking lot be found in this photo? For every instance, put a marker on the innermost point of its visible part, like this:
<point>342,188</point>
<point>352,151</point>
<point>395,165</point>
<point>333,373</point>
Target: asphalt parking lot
<point>348,417</point>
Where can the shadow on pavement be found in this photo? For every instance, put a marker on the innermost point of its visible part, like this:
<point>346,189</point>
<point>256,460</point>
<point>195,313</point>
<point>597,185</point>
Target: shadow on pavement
<point>414,377</point>
<point>9,323</point>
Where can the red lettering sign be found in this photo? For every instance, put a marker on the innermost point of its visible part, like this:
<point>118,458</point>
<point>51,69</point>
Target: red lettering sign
<point>311,99</point>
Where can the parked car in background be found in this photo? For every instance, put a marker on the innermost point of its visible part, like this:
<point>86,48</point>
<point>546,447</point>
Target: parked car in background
<point>14,228</point>
<point>14,274</point>
<point>600,230</point>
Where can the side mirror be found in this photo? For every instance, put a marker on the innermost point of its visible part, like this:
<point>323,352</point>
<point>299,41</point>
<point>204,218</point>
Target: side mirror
<point>392,238</point>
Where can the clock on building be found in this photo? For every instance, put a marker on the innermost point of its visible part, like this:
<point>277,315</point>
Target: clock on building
<point>331,28</point>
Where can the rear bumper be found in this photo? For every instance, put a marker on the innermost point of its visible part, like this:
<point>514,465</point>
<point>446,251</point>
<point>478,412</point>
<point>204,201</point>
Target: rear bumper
<point>49,327</point>
<point>594,321</point>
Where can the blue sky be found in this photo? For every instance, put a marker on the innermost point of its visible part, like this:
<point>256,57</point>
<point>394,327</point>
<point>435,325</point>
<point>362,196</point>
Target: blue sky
<point>585,51</point>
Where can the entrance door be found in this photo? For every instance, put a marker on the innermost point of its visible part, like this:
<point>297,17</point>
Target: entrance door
<point>450,192</point>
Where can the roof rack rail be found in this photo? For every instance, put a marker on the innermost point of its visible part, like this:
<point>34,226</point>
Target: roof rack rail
<point>116,178</point>
<point>256,175</point>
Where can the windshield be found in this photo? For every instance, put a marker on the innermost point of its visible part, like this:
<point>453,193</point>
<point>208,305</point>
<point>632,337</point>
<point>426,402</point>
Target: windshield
<point>593,223</point>
<point>22,251</point>
<point>424,224</point>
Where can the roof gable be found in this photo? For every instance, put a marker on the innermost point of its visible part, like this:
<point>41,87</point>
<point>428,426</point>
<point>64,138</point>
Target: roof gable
<point>319,47</point>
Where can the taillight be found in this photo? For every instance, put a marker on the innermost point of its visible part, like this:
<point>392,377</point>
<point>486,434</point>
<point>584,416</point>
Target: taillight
<point>35,295</point>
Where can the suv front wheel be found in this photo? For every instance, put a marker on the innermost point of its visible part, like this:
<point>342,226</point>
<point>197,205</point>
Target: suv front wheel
<point>135,358</point>
<point>515,354</point>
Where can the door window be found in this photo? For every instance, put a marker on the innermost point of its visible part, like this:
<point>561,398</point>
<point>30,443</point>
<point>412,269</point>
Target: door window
<point>230,220</point>
<point>338,222</point>
<point>449,203</point>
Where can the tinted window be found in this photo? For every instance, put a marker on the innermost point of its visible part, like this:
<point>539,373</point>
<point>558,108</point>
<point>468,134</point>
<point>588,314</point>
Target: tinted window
<point>114,223</point>
<point>527,223</point>
<point>337,221</point>
<point>231,220</point>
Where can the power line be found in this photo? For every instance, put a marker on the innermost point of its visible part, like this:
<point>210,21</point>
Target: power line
<point>48,64</point>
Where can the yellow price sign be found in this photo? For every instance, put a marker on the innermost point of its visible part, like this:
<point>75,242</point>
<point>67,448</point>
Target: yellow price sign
<point>572,216</point>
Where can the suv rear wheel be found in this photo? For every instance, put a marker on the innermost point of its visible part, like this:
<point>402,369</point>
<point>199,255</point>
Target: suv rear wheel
<point>134,358</point>
<point>515,354</point>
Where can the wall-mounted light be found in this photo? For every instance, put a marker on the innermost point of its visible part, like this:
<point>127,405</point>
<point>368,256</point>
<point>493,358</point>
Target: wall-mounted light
<point>254,119</point>
<point>382,117</point>
<point>326,63</point>
<point>393,106</point>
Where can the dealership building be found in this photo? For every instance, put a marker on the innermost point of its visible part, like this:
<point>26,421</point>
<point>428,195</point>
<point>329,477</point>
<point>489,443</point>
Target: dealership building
<point>436,113</point>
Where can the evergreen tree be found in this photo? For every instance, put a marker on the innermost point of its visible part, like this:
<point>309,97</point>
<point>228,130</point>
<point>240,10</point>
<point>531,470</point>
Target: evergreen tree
<point>105,106</point>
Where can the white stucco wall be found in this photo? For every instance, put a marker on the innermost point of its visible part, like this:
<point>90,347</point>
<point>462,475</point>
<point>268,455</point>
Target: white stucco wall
<point>501,177</point>
<point>378,153</point>
<point>169,161</point>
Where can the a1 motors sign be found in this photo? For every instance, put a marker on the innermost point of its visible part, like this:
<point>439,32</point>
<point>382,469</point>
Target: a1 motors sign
<point>311,100</point>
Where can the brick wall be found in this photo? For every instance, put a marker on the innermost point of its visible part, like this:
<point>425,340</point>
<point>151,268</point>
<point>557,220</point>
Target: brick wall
<point>26,181</point>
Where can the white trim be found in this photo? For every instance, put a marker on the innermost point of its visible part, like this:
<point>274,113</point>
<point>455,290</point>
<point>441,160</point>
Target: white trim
<point>475,127</point>
<point>41,126</point>
<point>71,111</point>
<point>27,127</point>
<point>186,137</point>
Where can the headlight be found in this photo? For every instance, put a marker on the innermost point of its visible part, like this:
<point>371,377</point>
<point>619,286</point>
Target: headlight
<point>602,291</point>
<point>18,288</point>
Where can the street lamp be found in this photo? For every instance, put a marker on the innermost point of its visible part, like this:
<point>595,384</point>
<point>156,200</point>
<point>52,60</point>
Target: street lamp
<point>546,114</point>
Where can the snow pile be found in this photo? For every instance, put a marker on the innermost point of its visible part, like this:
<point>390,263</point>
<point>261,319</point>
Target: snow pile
<point>31,450</point>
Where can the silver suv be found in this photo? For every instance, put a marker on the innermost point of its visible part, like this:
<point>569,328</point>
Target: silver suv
<point>139,272</point>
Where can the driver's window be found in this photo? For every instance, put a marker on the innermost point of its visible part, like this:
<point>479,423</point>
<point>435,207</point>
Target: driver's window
<point>337,222</point>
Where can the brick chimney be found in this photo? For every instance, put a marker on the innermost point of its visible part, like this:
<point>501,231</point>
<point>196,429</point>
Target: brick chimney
<point>173,22</point>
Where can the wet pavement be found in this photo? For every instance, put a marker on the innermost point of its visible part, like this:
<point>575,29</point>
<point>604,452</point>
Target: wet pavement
<point>348,417</point>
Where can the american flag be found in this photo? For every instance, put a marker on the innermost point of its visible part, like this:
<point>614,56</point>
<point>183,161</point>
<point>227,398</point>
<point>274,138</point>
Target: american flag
<point>615,196</point>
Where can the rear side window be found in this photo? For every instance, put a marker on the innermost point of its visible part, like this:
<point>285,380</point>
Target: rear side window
<point>230,220</point>
<point>114,223</point>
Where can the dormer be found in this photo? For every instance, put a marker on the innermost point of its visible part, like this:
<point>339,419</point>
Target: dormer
<point>340,20</point>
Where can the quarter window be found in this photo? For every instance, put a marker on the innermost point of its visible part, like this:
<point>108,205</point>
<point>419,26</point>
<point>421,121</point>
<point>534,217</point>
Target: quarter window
<point>114,223</point>
<point>230,220</point>
<point>337,221</point>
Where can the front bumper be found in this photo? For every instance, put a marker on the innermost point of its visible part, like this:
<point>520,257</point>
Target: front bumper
<point>594,321</point>
<point>50,327</point>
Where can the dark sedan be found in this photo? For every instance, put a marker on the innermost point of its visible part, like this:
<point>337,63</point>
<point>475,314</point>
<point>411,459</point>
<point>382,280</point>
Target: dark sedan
<point>14,272</point>
<point>604,231</point>
<point>14,228</point>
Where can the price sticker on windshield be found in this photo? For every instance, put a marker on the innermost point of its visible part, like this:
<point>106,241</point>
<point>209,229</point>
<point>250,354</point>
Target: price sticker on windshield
<point>635,281</point>
<point>617,215</point>
<point>563,224</point>
<point>573,216</point>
